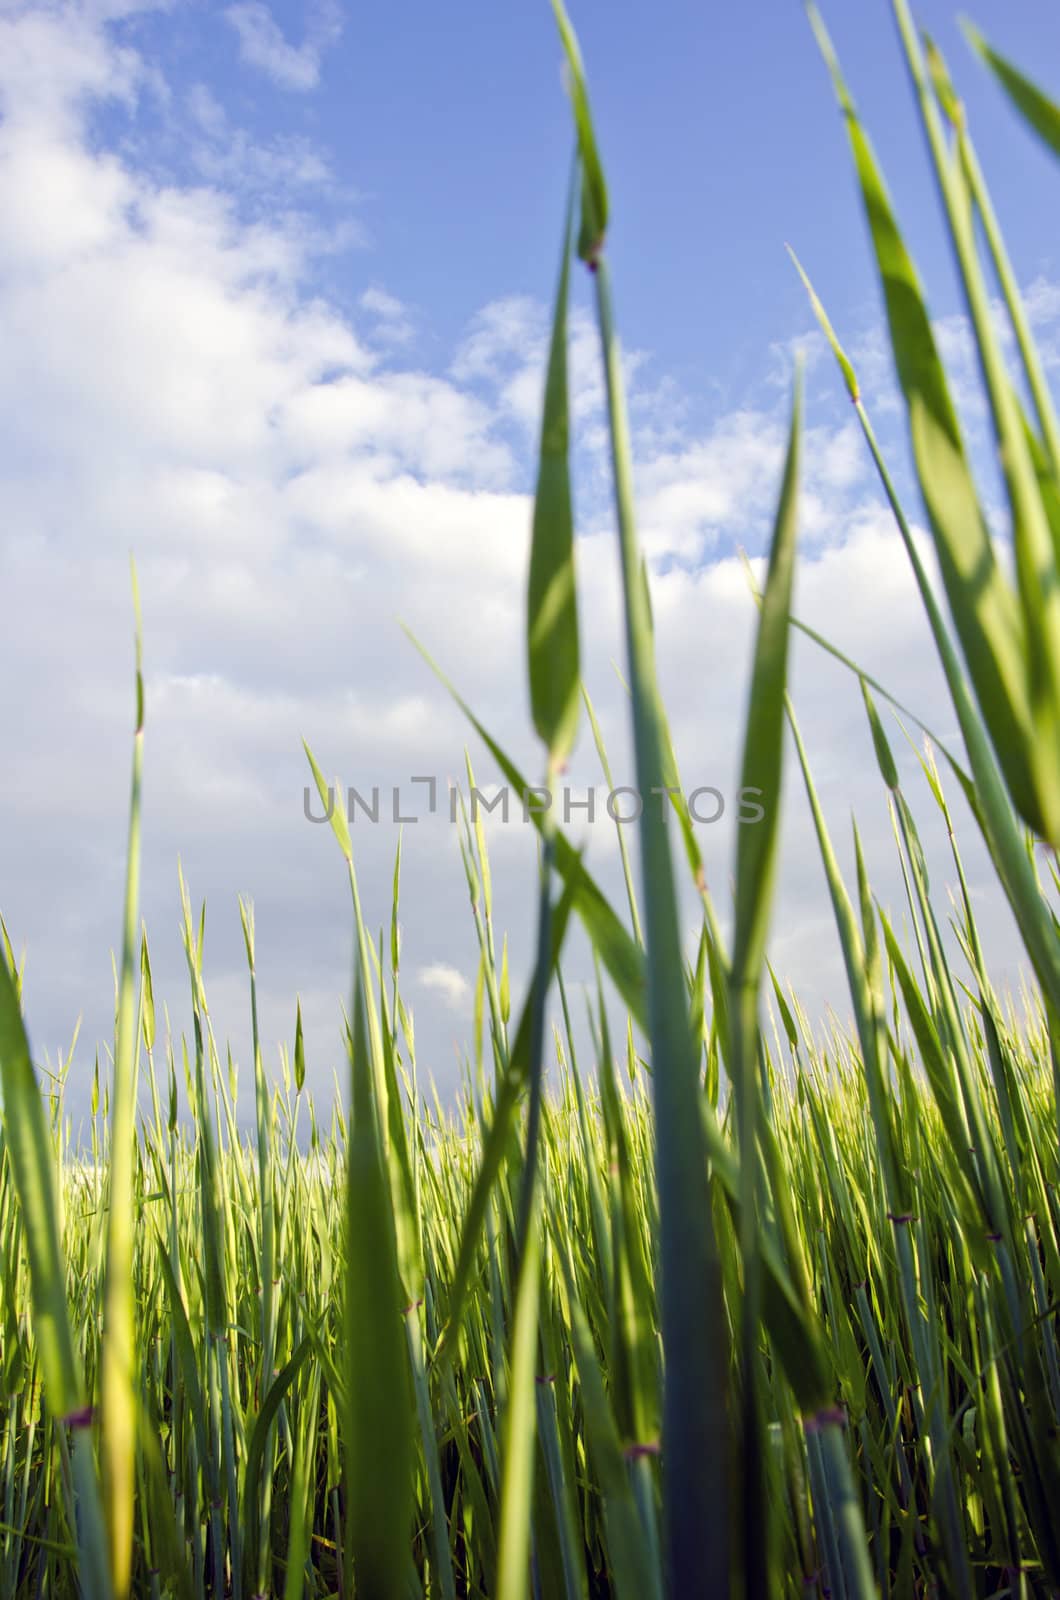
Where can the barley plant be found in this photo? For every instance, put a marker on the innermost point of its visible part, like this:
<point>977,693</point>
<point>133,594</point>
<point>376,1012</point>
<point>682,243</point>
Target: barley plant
<point>750,1310</point>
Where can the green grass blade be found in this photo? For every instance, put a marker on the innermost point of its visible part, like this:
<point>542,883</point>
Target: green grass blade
<point>119,1379</point>
<point>633,1578</point>
<point>755,870</point>
<point>260,1435</point>
<point>552,608</point>
<point>29,1151</point>
<point>1038,578</point>
<point>1038,110</point>
<point>987,796</point>
<point>594,189</point>
<point>380,1417</point>
<point>985,612</point>
<point>694,1338</point>
<point>520,1430</point>
<point>497,1142</point>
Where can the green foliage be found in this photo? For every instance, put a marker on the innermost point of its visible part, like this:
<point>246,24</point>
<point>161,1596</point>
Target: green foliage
<point>559,1343</point>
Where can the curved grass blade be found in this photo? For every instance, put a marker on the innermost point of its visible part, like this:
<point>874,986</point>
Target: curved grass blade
<point>259,1442</point>
<point>985,612</point>
<point>32,1161</point>
<point>1037,382</point>
<point>1042,113</point>
<point>1037,574</point>
<point>594,188</point>
<point>552,607</point>
<point>987,796</point>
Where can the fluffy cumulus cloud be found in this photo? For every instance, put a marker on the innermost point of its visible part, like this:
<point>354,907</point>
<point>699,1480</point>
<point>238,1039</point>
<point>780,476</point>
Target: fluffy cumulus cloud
<point>294,485</point>
<point>448,982</point>
<point>262,43</point>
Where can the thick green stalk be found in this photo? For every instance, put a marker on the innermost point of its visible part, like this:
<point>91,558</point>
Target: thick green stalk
<point>695,1416</point>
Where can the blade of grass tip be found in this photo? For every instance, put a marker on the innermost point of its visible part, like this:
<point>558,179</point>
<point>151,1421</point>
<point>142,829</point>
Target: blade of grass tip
<point>984,609</point>
<point>299,1049</point>
<point>32,1164</point>
<point>380,1417</point>
<point>697,1487</point>
<point>594,207</point>
<point>15,967</point>
<point>1042,113</point>
<point>756,853</point>
<point>119,1385</point>
<point>391,1123</point>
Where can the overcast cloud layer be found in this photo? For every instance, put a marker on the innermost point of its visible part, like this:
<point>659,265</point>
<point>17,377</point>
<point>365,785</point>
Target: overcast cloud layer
<point>293,482</point>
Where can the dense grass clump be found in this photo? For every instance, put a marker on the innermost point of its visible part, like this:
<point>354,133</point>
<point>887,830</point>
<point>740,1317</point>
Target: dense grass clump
<point>596,1363</point>
<point>732,1311</point>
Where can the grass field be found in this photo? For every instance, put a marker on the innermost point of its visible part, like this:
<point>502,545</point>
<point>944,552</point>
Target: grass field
<point>738,1306</point>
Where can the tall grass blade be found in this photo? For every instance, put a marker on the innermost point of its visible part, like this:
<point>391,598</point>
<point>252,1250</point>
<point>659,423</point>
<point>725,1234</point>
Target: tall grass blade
<point>986,614</point>
<point>119,1387</point>
<point>552,620</point>
<point>696,1424</point>
<point>29,1150</point>
<point>380,1417</point>
<point>756,852</point>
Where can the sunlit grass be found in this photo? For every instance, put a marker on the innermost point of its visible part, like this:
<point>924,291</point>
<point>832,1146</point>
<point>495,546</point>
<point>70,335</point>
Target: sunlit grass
<point>760,1311</point>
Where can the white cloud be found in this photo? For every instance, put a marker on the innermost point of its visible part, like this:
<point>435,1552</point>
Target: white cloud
<point>263,45</point>
<point>229,155</point>
<point>393,323</point>
<point>449,983</point>
<point>506,348</point>
<point>1042,300</point>
<point>724,481</point>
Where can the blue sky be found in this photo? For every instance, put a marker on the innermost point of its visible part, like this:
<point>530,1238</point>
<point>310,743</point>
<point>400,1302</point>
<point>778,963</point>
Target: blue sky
<point>447,140</point>
<point>275,289</point>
